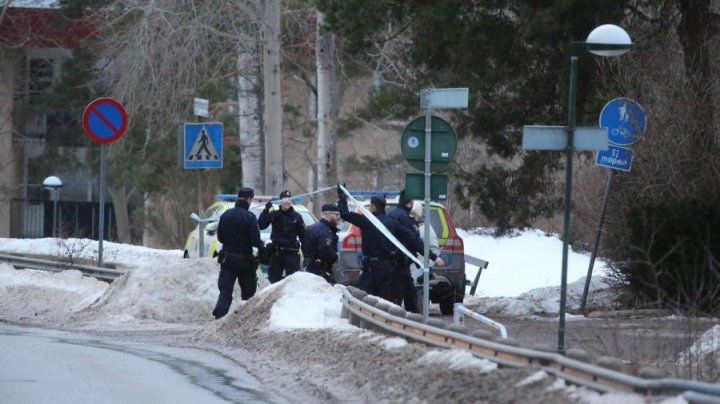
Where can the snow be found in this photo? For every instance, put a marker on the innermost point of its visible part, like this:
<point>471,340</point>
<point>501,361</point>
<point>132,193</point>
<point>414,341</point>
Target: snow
<point>161,290</point>
<point>35,3</point>
<point>308,302</point>
<point>525,260</point>
<point>456,359</point>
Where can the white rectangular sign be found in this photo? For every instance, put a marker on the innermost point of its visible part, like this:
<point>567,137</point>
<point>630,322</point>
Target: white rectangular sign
<point>201,106</point>
<point>538,137</point>
<point>439,98</point>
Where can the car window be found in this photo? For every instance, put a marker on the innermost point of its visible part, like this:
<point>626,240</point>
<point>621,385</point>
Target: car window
<point>214,210</point>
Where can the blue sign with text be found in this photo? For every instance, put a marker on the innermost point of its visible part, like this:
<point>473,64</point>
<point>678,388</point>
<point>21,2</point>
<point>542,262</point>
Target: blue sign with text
<point>617,158</point>
<point>203,145</point>
<point>625,120</point>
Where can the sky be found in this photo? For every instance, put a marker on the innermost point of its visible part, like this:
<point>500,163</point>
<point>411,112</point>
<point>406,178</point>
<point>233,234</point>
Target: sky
<point>163,291</point>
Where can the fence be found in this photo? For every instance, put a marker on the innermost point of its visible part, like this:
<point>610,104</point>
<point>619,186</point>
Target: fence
<point>33,219</point>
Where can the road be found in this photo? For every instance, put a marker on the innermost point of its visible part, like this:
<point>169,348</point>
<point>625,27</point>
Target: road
<point>45,366</point>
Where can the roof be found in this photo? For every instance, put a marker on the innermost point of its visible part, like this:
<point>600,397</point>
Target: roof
<point>39,24</point>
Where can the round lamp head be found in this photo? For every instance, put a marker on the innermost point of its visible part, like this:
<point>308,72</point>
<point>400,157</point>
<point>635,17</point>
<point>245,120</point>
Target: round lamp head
<point>608,40</point>
<point>52,183</point>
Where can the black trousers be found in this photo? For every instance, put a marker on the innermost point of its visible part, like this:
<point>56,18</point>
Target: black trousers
<point>376,279</point>
<point>283,260</point>
<point>234,269</point>
<point>404,289</point>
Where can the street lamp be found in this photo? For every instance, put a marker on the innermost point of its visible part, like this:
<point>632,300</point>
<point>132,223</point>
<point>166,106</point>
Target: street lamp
<point>53,184</point>
<point>605,40</point>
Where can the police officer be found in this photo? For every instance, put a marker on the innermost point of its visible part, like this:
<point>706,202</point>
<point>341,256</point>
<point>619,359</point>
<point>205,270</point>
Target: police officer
<point>320,244</point>
<point>379,253</point>
<point>403,283</point>
<point>287,227</point>
<point>239,233</point>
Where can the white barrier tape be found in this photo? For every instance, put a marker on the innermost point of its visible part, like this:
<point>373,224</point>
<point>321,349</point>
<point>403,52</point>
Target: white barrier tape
<point>317,191</point>
<point>377,223</point>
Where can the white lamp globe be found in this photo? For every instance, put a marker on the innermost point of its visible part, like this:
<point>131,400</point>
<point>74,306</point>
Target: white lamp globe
<point>609,34</point>
<point>52,183</point>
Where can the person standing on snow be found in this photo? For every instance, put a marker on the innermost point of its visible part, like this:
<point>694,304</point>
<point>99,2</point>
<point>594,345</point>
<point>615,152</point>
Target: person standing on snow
<point>238,232</point>
<point>320,244</point>
<point>287,227</point>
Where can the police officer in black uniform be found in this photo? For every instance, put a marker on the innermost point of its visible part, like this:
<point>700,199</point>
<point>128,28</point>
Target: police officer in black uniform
<point>239,233</point>
<point>403,283</point>
<point>287,227</point>
<point>320,244</point>
<point>379,253</point>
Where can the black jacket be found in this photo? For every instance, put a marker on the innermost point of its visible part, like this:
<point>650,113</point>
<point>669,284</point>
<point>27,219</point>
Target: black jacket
<point>320,242</point>
<point>402,215</point>
<point>238,230</point>
<point>287,227</point>
<point>374,243</point>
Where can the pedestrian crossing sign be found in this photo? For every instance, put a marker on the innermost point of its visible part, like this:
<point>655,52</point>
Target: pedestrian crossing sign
<point>202,145</point>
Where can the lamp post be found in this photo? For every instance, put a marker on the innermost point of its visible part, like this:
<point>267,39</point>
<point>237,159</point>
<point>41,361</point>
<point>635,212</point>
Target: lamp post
<point>53,184</point>
<point>605,40</point>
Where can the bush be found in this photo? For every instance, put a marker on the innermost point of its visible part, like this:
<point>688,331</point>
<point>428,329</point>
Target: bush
<point>673,252</point>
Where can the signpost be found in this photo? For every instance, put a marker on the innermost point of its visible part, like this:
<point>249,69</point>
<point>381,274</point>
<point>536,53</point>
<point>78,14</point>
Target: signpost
<point>104,121</point>
<point>200,146</point>
<point>439,145</point>
<point>626,123</point>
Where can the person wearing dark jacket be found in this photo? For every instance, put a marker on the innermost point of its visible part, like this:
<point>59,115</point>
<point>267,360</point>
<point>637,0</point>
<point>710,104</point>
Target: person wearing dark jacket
<point>379,253</point>
<point>403,282</point>
<point>238,232</point>
<point>287,227</point>
<point>320,244</point>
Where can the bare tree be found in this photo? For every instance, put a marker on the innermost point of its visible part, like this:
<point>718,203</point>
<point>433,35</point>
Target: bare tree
<point>272,113</point>
<point>328,100</point>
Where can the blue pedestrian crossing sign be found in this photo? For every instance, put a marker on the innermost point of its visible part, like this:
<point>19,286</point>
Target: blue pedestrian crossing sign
<point>202,145</point>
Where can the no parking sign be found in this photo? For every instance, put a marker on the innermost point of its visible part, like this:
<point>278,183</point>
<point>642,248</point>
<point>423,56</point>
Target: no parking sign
<point>105,120</point>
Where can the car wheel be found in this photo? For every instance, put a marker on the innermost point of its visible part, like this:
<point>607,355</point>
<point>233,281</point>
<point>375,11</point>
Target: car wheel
<point>446,304</point>
<point>186,255</point>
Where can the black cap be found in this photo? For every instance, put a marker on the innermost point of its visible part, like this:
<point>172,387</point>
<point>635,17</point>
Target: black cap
<point>378,202</point>
<point>330,207</point>
<point>402,200</point>
<point>246,193</point>
<point>285,194</point>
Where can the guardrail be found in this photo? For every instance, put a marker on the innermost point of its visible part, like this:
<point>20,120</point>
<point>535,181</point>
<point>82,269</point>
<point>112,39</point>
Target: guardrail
<point>104,274</point>
<point>368,312</point>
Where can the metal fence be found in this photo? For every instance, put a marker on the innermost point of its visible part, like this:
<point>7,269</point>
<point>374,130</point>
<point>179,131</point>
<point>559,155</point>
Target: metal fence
<point>34,219</point>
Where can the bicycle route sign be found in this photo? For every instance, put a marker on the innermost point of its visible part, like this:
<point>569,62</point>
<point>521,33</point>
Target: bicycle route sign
<point>105,120</point>
<point>626,122</point>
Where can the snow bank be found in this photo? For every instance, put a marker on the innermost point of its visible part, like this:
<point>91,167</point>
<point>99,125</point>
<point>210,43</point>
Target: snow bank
<point>530,258</point>
<point>53,296</point>
<point>174,290</point>
<point>702,358</point>
<point>546,300</point>
<point>456,359</point>
<point>113,253</point>
<point>308,302</point>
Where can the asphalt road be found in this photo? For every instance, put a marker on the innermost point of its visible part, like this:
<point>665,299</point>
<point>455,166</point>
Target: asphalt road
<point>45,366</point>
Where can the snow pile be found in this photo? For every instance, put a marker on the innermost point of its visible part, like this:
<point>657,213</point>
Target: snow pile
<point>31,294</point>
<point>530,258</point>
<point>308,302</point>
<point>546,300</point>
<point>113,253</point>
<point>300,301</point>
<point>702,358</point>
<point>456,359</point>
<point>174,290</point>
